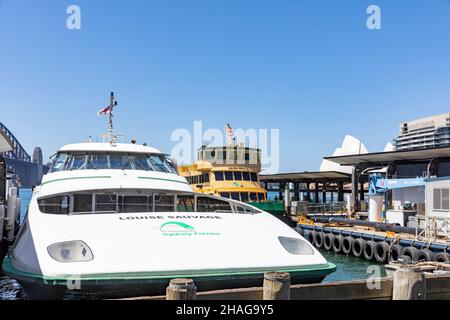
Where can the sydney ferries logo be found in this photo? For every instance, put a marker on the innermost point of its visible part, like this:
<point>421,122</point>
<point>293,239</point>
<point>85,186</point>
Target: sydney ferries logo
<point>181,229</point>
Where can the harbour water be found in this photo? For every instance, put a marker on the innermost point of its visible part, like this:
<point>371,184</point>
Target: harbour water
<point>348,267</point>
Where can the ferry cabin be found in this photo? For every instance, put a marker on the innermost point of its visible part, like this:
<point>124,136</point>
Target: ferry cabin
<point>230,172</point>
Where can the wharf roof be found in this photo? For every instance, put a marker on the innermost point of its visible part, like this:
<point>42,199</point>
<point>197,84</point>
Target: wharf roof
<point>307,177</point>
<point>384,158</point>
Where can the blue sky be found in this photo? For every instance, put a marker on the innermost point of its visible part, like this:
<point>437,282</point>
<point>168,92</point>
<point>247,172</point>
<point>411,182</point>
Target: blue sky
<point>310,68</point>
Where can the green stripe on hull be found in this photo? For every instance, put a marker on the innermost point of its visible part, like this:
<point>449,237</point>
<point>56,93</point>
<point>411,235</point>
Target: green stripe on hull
<point>321,270</point>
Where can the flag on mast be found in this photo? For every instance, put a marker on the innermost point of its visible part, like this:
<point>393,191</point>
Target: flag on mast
<point>104,111</point>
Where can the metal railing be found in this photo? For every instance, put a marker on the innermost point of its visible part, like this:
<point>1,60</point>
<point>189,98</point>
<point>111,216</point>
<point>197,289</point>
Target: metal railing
<point>304,208</point>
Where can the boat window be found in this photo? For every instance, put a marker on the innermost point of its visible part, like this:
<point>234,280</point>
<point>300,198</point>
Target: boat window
<point>244,196</point>
<point>120,161</point>
<point>98,161</point>
<point>225,194</point>
<point>254,176</point>
<point>164,203</point>
<point>60,161</point>
<point>235,196</point>
<point>112,160</point>
<point>159,164</point>
<point>261,196</point>
<point>106,203</point>
<point>205,204</point>
<point>229,175</point>
<point>76,162</point>
<point>82,203</point>
<point>244,209</point>
<point>134,204</point>
<point>112,202</point>
<point>238,175</point>
<point>219,175</point>
<point>55,205</point>
<point>246,176</point>
<point>141,162</point>
<point>253,196</point>
<point>185,204</point>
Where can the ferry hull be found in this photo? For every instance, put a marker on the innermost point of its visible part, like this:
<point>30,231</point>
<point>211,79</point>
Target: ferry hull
<point>128,285</point>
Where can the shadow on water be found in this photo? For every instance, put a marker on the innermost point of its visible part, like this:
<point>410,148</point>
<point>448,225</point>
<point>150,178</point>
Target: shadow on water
<point>351,268</point>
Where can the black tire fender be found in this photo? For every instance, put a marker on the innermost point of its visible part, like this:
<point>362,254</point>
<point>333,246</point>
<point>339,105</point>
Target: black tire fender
<point>382,252</point>
<point>337,243</point>
<point>411,252</point>
<point>395,252</point>
<point>319,239</point>
<point>441,257</point>
<point>347,245</point>
<point>425,255</point>
<point>328,241</point>
<point>369,250</point>
<point>358,248</point>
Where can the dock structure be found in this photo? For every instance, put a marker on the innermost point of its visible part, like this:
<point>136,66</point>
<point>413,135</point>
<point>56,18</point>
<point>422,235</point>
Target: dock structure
<point>403,164</point>
<point>407,283</point>
<point>374,243</point>
<point>310,186</point>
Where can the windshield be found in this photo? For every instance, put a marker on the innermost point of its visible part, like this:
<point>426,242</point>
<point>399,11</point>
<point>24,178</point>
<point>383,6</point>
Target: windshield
<point>66,161</point>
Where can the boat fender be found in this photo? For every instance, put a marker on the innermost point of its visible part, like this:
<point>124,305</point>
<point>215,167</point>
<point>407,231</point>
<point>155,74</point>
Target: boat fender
<point>337,243</point>
<point>347,245</point>
<point>309,235</point>
<point>381,252</point>
<point>369,250</point>
<point>425,255</point>
<point>358,247</point>
<point>299,230</point>
<point>411,252</point>
<point>441,257</point>
<point>319,240</point>
<point>328,241</point>
<point>395,252</point>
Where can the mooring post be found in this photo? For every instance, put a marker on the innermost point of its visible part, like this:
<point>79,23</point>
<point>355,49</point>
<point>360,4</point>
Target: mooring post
<point>409,284</point>
<point>181,289</point>
<point>277,286</point>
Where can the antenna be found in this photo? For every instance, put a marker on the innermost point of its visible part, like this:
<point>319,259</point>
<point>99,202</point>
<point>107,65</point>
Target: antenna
<point>112,104</point>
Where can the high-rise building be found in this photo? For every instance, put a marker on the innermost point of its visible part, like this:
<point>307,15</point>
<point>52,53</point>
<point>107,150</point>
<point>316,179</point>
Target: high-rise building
<point>429,132</point>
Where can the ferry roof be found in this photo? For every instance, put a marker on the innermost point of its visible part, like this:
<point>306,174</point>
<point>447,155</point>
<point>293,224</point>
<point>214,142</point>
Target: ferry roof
<point>118,147</point>
<point>383,158</point>
<point>305,177</point>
